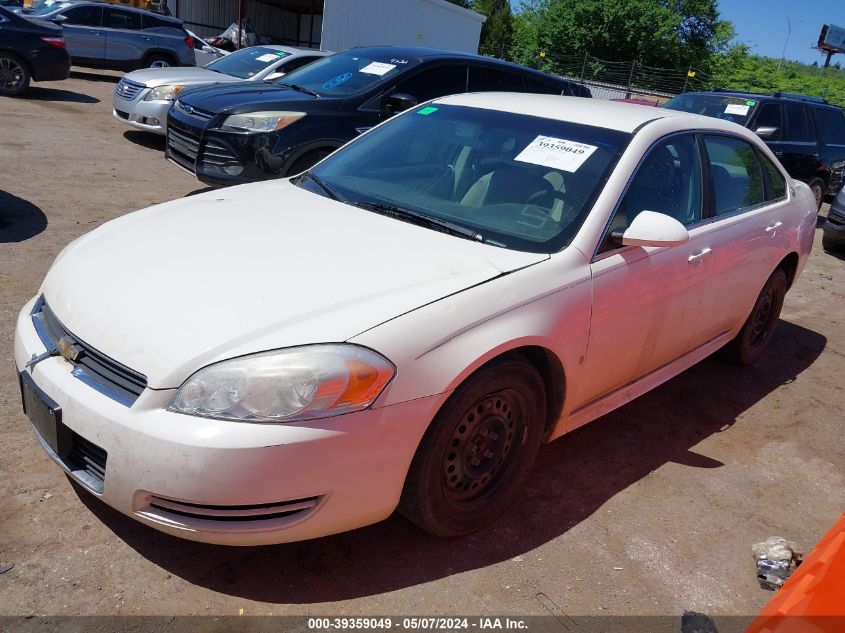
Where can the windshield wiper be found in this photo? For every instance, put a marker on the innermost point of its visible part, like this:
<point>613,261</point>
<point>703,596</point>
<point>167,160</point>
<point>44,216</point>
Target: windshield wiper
<point>420,219</point>
<point>330,191</point>
<point>307,91</point>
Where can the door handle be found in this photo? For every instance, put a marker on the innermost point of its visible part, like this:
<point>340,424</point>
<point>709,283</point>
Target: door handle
<point>699,254</point>
<point>774,226</point>
<point>778,153</point>
<point>95,32</point>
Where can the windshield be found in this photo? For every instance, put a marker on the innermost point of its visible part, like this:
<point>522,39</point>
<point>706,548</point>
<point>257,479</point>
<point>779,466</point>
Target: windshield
<point>736,109</point>
<point>348,73</point>
<point>515,181</point>
<point>44,7</point>
<point>247,62</point>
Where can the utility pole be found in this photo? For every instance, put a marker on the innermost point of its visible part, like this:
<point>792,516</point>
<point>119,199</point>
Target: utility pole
<point>786,43</point>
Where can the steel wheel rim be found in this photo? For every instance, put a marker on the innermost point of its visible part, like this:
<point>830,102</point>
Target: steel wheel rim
<point>11,74</point>
<point>762,322</point>
<point>483,446</point>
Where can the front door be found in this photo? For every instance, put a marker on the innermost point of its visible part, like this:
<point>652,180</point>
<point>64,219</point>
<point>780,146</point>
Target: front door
<point>85,37</point>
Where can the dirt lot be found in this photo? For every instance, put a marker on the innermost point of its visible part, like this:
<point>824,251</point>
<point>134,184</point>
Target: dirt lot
<point>651,510</point>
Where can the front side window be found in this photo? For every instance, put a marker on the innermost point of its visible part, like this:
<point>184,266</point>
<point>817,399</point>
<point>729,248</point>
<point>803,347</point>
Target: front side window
<point>246,62</point>
<point>515,181</point>
<point>118,19</point>
<point>84,16</point>
<point>770,116</point>
<point>668,181</point>
<point>434,82</point>
<point>736,172</point>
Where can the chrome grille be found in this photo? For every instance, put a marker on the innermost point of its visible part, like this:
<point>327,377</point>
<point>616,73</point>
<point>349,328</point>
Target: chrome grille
<point>126,89</point>
<point>184,108</point>
<point>185,145</point>
<point>215,153</point>
<point>92,367</point>
<point>184,513</point>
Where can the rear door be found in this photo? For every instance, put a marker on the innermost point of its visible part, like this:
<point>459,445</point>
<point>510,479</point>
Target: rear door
<point>85,37</point>
<point>126,43</point>
<point>798,151</point>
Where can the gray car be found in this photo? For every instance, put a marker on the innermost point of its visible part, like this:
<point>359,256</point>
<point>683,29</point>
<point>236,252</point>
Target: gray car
<point>124,38</point>
<point>143,97</point>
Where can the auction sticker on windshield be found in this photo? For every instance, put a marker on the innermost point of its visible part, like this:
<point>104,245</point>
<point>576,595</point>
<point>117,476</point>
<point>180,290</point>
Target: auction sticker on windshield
<point>269,57</point>
<point>556,153</point>
<point>737,108</point>
<point>377,68</point>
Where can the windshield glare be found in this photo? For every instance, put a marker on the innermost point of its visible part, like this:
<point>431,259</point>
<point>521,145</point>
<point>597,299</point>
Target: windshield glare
<point>347,73</point>
<point>736,109</point>
<point>521,182</point>
<point>247,62</point>
<point>48,6</point>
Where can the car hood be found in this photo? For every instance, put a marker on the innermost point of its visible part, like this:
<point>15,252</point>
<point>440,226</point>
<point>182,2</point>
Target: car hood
<point>174,287</point>
<point>246,96</point>
<point>154,77</point>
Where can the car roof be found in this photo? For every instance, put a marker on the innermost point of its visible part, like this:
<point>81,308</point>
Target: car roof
<point>428,54</point>
<point>624,117</point>
<point>166,18</point>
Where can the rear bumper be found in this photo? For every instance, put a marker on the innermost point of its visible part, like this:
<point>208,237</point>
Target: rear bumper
<point>50,64</point>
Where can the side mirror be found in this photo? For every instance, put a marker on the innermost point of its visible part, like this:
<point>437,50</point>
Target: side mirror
<point>396,103</point>
<point>59,19</point>
<point>274,76</point>
<point>650,228</point>
<point>767,132</point>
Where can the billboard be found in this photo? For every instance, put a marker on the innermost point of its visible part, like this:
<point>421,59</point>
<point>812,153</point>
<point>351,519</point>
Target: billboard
<point>832,38</point>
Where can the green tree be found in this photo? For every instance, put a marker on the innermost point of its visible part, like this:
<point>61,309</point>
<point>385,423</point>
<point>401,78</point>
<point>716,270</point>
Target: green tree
<point>497,31</point>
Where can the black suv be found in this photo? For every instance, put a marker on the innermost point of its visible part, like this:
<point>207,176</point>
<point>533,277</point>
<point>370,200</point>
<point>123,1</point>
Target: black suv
<point>231,134</point>
<point>807,134</point>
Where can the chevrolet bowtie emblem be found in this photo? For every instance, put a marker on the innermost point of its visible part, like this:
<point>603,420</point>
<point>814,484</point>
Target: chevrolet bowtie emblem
<point>68,349</point>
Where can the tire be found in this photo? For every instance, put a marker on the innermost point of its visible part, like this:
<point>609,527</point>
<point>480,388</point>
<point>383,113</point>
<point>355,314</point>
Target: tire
<point>308,160</point>
<point>14,75</point>
<point>761,324</point>
<point>475,456</point>
<point>159,61</point>
<point>829,245</point>
<point>818,188</point>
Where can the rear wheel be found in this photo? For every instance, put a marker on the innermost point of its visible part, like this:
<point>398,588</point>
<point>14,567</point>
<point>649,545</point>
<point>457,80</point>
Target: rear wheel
<point>475,456</point>
<point>758,330</point>
<point>158,61</point>
<point>817,187</point>
<point>14,75</point>
<point>829,245</point>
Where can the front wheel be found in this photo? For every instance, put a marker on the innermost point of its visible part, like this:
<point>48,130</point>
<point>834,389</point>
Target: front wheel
<point>758,330</point>
<point>475,456</point>
<point>14,75</point>
<point>158,61</point>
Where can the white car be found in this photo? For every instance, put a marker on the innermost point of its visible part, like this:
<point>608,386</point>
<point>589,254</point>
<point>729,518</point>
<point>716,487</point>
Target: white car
<point>404,324</point>
<point>143,97</point>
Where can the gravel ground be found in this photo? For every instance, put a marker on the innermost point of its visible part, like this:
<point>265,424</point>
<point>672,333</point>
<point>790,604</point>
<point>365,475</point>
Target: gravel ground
<point>650,510</point>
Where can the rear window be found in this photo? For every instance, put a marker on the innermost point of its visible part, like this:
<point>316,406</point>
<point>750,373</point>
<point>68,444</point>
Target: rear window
<point>735,109</point>
<point>154,22</point>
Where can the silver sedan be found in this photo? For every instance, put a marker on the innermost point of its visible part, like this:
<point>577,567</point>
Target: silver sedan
<point>143,97</point>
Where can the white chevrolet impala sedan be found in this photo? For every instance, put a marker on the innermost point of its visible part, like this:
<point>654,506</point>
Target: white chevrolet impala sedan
<point>406,323</point>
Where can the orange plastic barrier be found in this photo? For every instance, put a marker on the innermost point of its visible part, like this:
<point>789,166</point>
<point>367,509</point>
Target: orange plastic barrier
<point>812,600</point>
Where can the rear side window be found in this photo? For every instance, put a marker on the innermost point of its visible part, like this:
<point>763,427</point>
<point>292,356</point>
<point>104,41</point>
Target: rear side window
<point>546,87</point>
<point>798,126</point>
<point>153,22</point>
<point>119,19</point>
<point>435,82</point>
<point>737,175</point>
<point>770,116</point>
<point>84,16</point>
<point>832,125</point>
<point>776,180</point>
<point>485,79</point>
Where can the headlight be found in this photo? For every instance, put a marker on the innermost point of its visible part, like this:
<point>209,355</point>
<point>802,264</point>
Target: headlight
<point>260,121</point>
<point>299,383</point>
<point>163,93</point>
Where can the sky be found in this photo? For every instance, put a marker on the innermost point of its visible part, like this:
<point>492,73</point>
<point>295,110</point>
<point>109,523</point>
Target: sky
<point>762,24</point>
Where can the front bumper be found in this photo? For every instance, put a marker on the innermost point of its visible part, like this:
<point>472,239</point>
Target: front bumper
<point>230,482</point>
<point>150,116</point>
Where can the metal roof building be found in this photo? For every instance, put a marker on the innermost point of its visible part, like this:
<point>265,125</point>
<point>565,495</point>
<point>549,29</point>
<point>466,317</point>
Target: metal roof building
<point>340,24</point>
